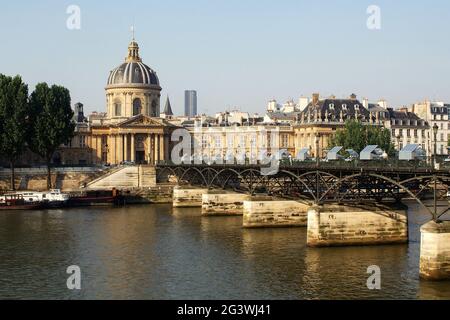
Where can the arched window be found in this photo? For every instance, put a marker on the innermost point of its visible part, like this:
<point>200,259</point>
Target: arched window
<point>137,106</point>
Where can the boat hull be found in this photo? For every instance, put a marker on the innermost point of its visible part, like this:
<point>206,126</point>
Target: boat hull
<point>91,201</point>
<point>21,207</point>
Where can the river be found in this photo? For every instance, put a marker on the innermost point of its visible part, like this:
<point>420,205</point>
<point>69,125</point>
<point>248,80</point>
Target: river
<point>156,252</point>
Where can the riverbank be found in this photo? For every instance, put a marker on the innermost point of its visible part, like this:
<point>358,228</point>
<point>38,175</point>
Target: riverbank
<point>35,179</point>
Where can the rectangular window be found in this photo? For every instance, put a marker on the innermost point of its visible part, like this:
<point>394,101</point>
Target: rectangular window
<point>218,141</point>
<point>243,142</point>
<point>118,109</point>
<point>284,141</point>
<point>204,142</point>
<point>230,141</point>
<point>82,141</point>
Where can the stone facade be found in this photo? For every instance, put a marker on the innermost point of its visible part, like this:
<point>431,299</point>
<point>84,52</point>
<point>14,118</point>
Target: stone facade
<point>336,225</point>
<point>223,204</point>
<point>435,251</point>
<point>260,212</point>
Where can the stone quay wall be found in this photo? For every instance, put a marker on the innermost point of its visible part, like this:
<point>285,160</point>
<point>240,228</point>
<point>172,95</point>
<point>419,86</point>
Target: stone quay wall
<point>35,179</point>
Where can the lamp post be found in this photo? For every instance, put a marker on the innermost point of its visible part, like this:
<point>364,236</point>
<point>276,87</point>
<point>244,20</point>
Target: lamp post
<point>317,149</point>
<point>435,132</point>
<point>398,142</point>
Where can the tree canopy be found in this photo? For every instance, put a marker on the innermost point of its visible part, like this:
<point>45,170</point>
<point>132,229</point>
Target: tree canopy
<point>14,112</point>
<point>52,123</point>
<point>357,136</point>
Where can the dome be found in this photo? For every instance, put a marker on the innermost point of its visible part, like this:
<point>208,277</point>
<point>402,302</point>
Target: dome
<point>133,71</point>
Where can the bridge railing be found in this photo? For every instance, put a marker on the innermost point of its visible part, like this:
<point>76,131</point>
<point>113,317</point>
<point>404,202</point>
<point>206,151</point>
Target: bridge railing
<point>340,164</point>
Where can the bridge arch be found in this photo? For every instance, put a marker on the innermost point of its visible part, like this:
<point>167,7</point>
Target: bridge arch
<point>399,185</point>
<point>181,178</point>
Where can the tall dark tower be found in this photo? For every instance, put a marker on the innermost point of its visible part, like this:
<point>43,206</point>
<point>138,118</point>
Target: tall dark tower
<point>190,103</point>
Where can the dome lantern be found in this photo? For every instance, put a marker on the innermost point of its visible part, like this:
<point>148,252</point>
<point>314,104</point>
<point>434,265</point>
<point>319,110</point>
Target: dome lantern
<point>133,52</point>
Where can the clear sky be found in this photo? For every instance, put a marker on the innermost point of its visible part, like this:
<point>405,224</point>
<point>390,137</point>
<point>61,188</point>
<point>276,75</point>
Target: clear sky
<point>235,53</point>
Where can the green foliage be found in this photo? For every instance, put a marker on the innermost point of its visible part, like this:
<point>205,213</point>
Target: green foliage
<point>51,116</point>
<point>14,110</point>
<point>357,136</point>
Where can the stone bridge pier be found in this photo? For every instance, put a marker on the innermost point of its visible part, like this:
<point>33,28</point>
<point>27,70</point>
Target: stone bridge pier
<point>338,225</point>
<point>212,202</point>
<point>435,251</point>
<point>188,197</point>
<point>269,212</point>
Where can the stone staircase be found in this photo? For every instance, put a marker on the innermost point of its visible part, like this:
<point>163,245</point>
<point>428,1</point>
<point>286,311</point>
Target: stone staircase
<point>129,177</point>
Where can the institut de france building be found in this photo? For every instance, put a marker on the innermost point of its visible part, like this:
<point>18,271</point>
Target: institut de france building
<point>131,129</point>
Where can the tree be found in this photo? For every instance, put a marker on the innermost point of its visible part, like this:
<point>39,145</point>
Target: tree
<point>52,122</point>
<point>357,136</point>
<point>14,111</point>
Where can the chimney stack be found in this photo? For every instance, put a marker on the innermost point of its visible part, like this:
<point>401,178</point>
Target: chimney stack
<point>315,98</point>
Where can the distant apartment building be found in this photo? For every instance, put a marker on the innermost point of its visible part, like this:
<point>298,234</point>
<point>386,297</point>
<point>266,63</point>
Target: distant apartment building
<point>408,128</point>
<point>190,103</point>
<point>219,142</point>
<point>321,119</point>
<point>436,114</point>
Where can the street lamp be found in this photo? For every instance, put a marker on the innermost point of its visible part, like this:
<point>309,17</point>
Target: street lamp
<point>317,149</point>
<point>435,132</point>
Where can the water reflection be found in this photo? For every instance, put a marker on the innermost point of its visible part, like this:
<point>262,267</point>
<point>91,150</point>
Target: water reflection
<point>156,252</point>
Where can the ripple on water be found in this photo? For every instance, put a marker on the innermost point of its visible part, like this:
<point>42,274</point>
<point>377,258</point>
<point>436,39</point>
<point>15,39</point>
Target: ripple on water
<point>156,252</point>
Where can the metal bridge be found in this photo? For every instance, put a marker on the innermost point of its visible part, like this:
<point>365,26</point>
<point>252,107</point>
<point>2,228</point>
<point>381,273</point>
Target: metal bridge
<point>320,183</point>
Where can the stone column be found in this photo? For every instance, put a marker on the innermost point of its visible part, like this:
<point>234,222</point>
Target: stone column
<point>166,148</point>
<point>112,149</point>
<point>116,155</point>
<point>435,251</point>
<point>94,149</point>
<point>153,152</point>
<point>133,149</point>
<point>121,148</point>
<point>99,146</point>
<point>161,148</point>
<point>149,149</point>
<point>126,158</point>
<point>157,152</point>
